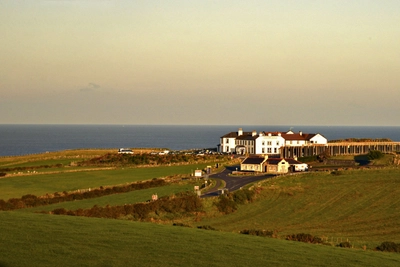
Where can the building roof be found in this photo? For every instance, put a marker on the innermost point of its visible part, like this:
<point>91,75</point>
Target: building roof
<point>253,160</point>
<point>293,161</point>
<point>247,137</point>
<point>290,135</point>
<point>235,134</point>
<point>274,161</point>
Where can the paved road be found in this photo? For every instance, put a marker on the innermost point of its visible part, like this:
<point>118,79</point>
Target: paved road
<point>232,183</point>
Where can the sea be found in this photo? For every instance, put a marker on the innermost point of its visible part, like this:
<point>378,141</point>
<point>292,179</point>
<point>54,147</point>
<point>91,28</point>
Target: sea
<point>24,139</point>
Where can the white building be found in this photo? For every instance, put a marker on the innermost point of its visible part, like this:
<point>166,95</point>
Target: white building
<point>265,143</point>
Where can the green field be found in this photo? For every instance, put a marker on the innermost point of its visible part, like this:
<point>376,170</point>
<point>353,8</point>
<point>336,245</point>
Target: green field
<point>29,239</point>
<point>41,184</point>
<point>359,206</point>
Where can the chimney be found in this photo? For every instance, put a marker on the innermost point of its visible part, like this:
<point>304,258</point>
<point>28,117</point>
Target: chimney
<point>254,133</point>
<point>301,133</point>
<point>240,132</point>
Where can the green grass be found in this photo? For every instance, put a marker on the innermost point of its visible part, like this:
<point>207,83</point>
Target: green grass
<point>29,239</point>
<point>362,206</point>
<point>41,184</point>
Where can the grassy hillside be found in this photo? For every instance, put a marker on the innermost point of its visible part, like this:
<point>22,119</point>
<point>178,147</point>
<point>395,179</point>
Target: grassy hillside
<point>361,206</point>
<point>40,184</point>
<point>29,239</point>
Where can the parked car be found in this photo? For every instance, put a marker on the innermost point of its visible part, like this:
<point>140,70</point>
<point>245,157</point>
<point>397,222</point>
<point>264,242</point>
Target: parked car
<point>125,151</point>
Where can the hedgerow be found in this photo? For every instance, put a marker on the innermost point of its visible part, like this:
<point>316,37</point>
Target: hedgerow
<point>148,159</point>
<point>306,238</point>
<point>184,203</point>
<point>30,168</point>
<point>389,247</point>
<point>255,232</point>
<point>28,201</point>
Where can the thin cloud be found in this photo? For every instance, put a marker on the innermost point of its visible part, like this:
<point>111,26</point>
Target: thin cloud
<point>90,87</point>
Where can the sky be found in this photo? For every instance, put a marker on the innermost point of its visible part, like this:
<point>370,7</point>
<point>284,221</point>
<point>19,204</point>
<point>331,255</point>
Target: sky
<point>276,62</point>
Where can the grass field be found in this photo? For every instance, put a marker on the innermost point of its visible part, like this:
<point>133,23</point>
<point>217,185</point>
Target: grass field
<point>41,184</point>
<point>29,239</point>
<point>359,206</point>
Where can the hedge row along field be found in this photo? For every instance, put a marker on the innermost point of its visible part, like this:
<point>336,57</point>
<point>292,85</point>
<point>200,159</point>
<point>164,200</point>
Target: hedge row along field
<point>147,159</point>
<point>181,204</point>
<point>29,201</point>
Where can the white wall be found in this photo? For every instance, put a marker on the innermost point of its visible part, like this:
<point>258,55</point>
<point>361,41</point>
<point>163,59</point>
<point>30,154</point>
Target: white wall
<point>269,144</point>
<point>318,139</point>
<point>227,145</point>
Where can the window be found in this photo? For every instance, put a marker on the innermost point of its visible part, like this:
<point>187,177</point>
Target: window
<point>275,150</point>
<point>263,143</point>
<point>227,141</point>
<point>269,143</point>
<point>262,150</point>
<point>277,143</point>
<point>269,150</point>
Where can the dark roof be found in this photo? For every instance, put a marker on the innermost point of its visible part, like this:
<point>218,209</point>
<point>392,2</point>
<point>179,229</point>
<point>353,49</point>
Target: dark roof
<point>253,160</point>
<point>274,161</point>
<point>293,161</point>
<point>247,137</point>
<point>235,134</point>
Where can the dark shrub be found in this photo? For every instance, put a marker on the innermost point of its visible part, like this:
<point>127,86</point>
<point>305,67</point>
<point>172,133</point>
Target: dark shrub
<point>60,211</point>
<point>306,238</point>
<point>344,245</point>
<point>181,224</point>
<point>206,227</point>
<point>389,247</point>
<point>258,232</point>
<point>225,204</point>
<point>374,154</point>
<point>243,196</point>
<point>29,200</point>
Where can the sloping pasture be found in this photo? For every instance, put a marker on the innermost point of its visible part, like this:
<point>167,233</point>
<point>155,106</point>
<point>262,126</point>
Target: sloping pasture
<point>362,206</point>
<point>41,184</point>
<point>30,239</point>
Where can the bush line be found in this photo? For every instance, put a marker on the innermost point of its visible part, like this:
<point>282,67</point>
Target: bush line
<point>183,203</point>
<point>29,201</point>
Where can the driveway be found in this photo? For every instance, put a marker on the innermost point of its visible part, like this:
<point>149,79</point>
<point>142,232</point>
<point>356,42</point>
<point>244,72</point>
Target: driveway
<point>232,182</point>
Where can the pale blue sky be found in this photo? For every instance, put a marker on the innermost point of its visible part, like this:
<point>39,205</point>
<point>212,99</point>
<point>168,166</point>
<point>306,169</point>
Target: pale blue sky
<point>328,62</point>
